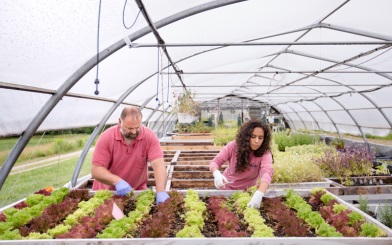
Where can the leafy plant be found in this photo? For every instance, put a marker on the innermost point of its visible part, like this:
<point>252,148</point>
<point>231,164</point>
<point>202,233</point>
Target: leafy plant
<point>284,139</point>
<point>346,163</point>
<point>296,164</point>
<point>382,169</point>
<point>185,103</point>
<point>338,143</point>
<point>386,215</point>
<point>364,204</point>
<point>223,135</point>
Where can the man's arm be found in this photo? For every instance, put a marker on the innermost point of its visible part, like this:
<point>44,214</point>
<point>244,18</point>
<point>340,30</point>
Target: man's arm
<point>103,175</point>
<point>160,174</point>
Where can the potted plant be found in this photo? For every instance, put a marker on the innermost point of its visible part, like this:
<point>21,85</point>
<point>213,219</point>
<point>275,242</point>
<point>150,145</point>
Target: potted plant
<point>187,109</point>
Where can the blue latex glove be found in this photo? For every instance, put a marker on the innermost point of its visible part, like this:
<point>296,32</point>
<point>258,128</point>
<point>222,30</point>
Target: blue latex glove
<point>161,197</point>
<point>123,188</point>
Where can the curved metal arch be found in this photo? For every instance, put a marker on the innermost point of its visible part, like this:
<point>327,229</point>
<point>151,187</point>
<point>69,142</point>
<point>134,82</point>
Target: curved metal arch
<point>157,119</point>
<point>79,73</point>
<point>356,123</point>
<point>353,90</point>
<point>356,66</point>
<point>332,121</point>
<point>291,120</point>
<point>145,123</point>
<point>310,114</point>
<point>298,116</point>
<point>171,115</point>
<point>362,93</point>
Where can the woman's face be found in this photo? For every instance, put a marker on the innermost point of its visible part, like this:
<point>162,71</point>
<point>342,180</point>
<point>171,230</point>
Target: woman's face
<point>256,139</point>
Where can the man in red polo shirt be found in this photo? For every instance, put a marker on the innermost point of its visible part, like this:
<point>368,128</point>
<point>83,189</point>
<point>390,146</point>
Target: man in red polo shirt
<point>121,156</point>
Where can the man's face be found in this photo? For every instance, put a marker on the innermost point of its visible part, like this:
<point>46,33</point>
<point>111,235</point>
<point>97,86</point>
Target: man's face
<point>130,127</point>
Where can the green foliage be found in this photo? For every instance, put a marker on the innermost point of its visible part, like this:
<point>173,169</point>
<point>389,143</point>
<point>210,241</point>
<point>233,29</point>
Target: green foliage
<point>371,230</point>
<point>355,218</point>
<point>190,231</point>
<point>185,103</point>
<point>283,139</point>
<point>383,168</point>
<point>337,208</point>
<point>220,122</point>
<point>197,127</point>
<point>338,143</point>
<point>346,163</point>
<point>326,198</point>
<point>38,146</point>
<point>194,210</point>
<point>386,215</point>
<point>364,204</point>
<point>317,189</point>
<point>223,135</point>
<point>387,137</point>
<point>18,186</point>
<point>296,164</point>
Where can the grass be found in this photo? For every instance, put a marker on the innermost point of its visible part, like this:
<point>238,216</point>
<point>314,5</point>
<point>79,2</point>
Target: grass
<point>41,147</point>
<point>18,186</point>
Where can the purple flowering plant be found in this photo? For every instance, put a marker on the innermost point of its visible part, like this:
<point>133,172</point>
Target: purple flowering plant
<point>347,162</point>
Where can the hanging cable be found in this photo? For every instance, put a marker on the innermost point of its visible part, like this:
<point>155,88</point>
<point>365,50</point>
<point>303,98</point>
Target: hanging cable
<point>156,99</point>
<point>168,86</point>
<point>99,23</point>
<point>124,17</point>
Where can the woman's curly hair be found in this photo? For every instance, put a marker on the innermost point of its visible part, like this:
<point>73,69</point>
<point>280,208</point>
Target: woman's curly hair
<point>243,146</point>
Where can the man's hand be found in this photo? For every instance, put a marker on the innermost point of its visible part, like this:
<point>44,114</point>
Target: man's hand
<point>256,199</point>
<point>161,197</point>
<point>123,188</point>
<point>219,179</point>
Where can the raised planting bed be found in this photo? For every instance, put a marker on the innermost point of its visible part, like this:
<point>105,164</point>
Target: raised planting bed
<point>303,185</point>
<point>366,181</point>
<point>374,194</point>
<point>193,217</point>
<point>192,137</point>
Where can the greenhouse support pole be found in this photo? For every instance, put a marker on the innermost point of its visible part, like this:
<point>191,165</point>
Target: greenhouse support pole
<point>156,120</point>
<point>162,126</point>
<point>168,125</point>
<point>145,123</point>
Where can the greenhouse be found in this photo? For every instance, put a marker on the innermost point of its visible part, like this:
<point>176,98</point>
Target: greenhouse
<point>317,72</point>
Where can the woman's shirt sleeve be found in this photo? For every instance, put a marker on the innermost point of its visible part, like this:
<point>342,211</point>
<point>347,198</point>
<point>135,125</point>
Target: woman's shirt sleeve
<point>223,156</point>
<point>266,169</point>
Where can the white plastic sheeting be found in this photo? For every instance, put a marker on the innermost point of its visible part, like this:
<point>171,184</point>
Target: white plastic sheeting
<point>46,44</point>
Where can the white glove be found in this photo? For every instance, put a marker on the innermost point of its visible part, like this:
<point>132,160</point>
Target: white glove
<point>218,179</point>
<point>256,199</point>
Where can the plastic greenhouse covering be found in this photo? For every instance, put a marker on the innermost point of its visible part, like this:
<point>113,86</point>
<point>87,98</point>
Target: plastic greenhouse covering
<point>323,65</point>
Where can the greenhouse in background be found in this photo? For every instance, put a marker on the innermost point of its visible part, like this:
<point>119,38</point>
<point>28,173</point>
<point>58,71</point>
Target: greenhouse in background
<point>314,69</point>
